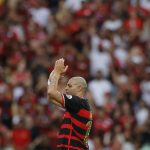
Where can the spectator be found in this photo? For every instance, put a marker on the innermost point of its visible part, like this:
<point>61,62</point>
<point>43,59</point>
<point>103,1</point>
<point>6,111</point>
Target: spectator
<point>100,88</point>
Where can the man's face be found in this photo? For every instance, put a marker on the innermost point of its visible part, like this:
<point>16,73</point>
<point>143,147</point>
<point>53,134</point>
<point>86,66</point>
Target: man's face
<point>72,87</point>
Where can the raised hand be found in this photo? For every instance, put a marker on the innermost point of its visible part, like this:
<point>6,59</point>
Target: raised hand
<point>59,67</point>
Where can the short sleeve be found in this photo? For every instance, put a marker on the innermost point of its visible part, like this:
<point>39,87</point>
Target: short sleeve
<point>72,103</point>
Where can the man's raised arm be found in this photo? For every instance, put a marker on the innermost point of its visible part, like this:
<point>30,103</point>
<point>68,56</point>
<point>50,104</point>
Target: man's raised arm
<point>53,94</point>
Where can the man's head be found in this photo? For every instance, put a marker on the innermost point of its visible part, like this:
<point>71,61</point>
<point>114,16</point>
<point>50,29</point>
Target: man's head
<point>76,86</point>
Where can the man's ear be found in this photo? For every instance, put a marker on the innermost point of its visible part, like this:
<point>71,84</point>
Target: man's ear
<point>79,88</point>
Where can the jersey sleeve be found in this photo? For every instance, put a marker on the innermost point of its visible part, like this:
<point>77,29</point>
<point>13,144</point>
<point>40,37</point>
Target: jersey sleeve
<point>72,103</point>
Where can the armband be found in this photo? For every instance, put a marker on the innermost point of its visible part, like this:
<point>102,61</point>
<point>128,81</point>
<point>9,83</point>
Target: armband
<point>48,82</point>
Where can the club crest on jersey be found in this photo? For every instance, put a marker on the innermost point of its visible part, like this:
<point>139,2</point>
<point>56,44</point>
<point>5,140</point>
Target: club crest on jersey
<point>69,96</point>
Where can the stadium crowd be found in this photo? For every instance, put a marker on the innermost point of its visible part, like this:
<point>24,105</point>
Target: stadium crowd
<point>105,41</point>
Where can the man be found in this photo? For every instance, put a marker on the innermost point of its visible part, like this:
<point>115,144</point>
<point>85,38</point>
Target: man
<point>77,120</point>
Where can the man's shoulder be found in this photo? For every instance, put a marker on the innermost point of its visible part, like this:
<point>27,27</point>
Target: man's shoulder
<point>68,96</point>
<point>76,103</point>
<point>72,97</point>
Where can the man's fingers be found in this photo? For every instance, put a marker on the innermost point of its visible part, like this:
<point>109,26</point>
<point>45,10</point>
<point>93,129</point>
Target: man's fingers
<point>60,63</point>
<point>66,67</point>
<point>57,61</point>
<point>62,60</point>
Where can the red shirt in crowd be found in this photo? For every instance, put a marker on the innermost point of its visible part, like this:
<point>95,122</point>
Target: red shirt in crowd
<point>21,138</point>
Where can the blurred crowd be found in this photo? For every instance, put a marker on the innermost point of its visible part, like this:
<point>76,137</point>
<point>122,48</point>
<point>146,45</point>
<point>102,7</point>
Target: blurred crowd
<point>105,41</point>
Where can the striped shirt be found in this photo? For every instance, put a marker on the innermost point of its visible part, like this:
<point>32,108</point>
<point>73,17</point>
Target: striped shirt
<point>76,124</point>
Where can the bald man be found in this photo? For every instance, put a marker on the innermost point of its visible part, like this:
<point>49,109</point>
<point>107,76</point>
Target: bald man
<point>77,121</point>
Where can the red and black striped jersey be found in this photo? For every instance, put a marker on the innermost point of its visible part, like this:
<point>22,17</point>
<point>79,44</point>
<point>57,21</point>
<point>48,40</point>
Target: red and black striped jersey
<point>76,124</point>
